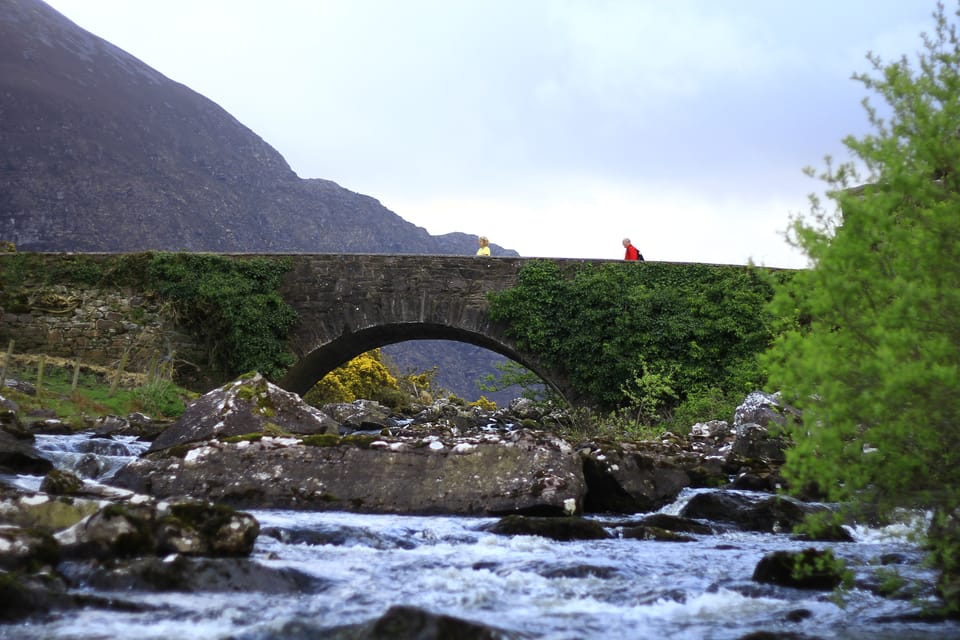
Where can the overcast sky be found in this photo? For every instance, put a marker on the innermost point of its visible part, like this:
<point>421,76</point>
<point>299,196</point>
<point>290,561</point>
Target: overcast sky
<point>555,127</point>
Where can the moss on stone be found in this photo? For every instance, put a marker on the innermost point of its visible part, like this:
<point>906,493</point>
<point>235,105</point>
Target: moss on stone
<point>204,517</point>
<point>246,437</point>
<point>322,440</point>
<point>360,441</point>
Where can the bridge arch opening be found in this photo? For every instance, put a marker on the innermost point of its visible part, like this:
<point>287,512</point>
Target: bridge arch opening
<point>323,359</point>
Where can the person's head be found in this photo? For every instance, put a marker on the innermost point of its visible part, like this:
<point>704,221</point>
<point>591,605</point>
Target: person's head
<point>483,241</point>
<point>626,242</point>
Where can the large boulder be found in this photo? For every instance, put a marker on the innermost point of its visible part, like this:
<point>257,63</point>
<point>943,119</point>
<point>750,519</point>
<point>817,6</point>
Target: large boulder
<point>522,471</point>
<point>134,530</point>
<point>764,409</point>
<point>772,514</point>
<point>621,479</point>
<point>17,453</point>
<point>248,405</point>
<point>360,415</point>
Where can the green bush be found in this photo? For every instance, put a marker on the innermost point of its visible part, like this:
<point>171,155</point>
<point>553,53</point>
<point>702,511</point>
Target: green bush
<point>704,324</point>
<point>875,364</point>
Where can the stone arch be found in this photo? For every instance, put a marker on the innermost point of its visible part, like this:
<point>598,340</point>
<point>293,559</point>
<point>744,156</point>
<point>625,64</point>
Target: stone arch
<point>328,356</point>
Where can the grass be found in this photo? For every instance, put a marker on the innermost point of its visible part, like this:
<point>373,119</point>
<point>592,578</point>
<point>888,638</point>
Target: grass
<point>99,391</point>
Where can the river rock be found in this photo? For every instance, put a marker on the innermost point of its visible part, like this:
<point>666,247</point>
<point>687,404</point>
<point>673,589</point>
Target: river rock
<point>773,514</point>
<point>60,482</point>
<point>244,406</point>
<point>130,530</point>
<point>562,529</point>
<point>406,622</point>
<point>360,415</point>
<point>190,575</point>
<point>44,512</point>
<point>764,409</point>
<point>807,569</point>
<point>518,472</point>
<point>754,444</point>
<point>26,549</point>
<point>10,419</point>
<point>23,596</point>
<point>19,456</point>
<point>623,481</point>
<point>17,453</point>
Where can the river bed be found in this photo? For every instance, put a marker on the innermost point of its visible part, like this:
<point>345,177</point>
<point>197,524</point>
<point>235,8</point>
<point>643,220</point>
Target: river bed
<point>361,565</point>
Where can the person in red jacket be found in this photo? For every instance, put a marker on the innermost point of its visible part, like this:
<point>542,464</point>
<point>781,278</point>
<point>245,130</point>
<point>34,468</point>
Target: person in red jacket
<point>632,252</point>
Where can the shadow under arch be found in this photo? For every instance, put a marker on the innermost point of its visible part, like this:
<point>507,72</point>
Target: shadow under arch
<point>327,357</point>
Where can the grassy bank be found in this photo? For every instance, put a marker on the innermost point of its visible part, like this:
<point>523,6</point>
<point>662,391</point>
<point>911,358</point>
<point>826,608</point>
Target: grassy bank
<point>75,392</point>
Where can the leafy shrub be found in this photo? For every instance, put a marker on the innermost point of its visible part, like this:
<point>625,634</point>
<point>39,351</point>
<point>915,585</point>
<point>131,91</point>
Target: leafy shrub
<point>704,324</point>
<point>365,377</point>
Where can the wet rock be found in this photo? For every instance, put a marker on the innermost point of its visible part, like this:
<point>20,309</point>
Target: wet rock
<point>18,455</point>
<point>765,410</point>
<point>189,528</point>
<point>245,406</point>
<point>339,536</point>
<point>754,443</point>
<point>41,511</point>
<point>26,549</point>
<point>10,419</point>
<point>678,524</point>
<point>201,528</point>
<point>403,622</point>
<point>772,514</point>
<point>136,425</point>
<point>116,531</point>
<point>191,575</point>
<point>360,415</point>
<point>807,569</point>
<point>620,481</point>
<point>530,472</point>
<point>25,596</point>
<point>646,532</point>
<point>61,483</point>
<point>562,529</point>
<point>51,426</point>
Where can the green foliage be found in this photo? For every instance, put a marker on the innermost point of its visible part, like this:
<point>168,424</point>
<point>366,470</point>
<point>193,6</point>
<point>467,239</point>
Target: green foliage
<point>702,324</point>
<point>232,304</point>
<point>158,397</point>
<point>650,389</point>
<point>509,374</point>
<point>875,364</point>
<point>703,404</point>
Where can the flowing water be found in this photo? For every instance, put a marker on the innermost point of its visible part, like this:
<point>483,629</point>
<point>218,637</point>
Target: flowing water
<point>616,588</point>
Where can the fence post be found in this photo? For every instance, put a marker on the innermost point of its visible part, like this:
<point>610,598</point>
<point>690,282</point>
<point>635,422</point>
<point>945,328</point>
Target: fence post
<point>6,362</point>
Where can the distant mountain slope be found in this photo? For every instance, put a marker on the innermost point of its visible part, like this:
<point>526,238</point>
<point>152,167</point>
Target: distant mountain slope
<point>100,152</point>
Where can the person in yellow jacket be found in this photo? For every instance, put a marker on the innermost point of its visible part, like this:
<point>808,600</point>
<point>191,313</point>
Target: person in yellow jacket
<point>484,249</point>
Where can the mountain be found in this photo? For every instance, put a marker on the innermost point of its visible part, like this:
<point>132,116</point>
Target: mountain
<point>100,152</point>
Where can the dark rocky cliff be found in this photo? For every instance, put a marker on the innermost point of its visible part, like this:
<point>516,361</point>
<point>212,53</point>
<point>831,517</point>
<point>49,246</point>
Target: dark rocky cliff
<point>100,152</point>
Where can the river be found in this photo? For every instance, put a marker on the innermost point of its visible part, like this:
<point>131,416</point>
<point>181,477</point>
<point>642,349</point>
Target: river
<point>526,585</point>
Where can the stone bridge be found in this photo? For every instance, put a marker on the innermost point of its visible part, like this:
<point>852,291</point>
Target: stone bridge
<point>351,303</point>
<point>347,304</point>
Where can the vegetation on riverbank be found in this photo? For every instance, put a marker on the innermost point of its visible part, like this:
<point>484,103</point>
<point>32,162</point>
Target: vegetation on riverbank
<point>876,370</point>
<point>74,393</point>
<point>232,305</point>
<point>659,343</point>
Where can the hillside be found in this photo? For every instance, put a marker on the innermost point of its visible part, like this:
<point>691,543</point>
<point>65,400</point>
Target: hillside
<point>100,152</point>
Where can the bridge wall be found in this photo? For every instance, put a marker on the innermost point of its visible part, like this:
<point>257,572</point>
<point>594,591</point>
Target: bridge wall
<point>346,303</point>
